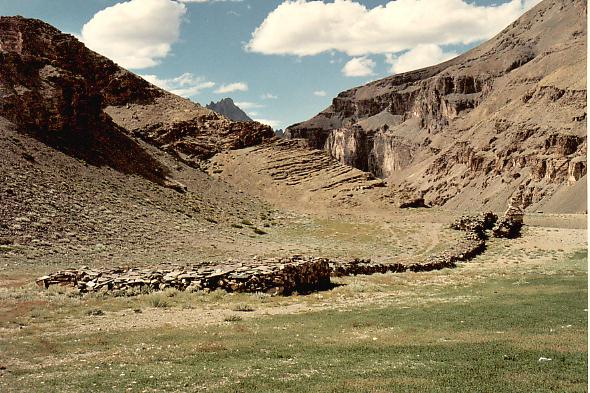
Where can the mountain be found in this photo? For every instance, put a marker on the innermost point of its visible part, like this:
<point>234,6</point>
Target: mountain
<point>229,109</point>
<point>55,88</point>
<point>96,159</point>
<point>507,118</point>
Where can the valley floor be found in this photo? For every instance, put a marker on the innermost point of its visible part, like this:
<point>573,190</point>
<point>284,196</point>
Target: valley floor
<point>488,325</point>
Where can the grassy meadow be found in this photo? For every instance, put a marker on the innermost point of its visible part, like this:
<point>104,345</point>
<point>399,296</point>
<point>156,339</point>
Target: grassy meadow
<point>520,325</point>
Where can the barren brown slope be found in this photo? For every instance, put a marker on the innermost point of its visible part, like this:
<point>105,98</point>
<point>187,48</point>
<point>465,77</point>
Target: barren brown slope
<point>56,209</point>
<point>63,93</point>
<point>469,133</point>
<point>289,174</point>
<point>75,187</point>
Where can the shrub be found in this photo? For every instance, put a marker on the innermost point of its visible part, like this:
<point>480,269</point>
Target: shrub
<point>159,301</point>
<point>243,308</point>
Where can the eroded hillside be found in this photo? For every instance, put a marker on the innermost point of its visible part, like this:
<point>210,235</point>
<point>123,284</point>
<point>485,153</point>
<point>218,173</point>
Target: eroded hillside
<point>79,185</point>
<point>508,116</point>
<point>56,89</point>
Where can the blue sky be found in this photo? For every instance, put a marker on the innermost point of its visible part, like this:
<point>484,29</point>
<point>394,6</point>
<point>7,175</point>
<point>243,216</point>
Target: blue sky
<point>282,61</point>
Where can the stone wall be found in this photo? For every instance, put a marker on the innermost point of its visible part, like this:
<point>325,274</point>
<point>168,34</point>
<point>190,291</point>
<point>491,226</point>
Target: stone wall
<point>282,276</point>
<point>279,276</point>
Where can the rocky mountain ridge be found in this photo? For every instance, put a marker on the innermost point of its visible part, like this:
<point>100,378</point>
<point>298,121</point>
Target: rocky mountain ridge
<point>72,98</point>
<point>78,185</point>
<point>469,132</point>
<point>229,109</point>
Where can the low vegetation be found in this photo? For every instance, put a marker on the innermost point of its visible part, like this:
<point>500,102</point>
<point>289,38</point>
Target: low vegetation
<point>481,327</point>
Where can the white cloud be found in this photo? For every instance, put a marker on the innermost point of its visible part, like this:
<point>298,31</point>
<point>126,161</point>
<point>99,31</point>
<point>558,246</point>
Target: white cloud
<point>421,56</point>
<point>273,123</point>
<point>306,28</point>
<point>268,96</point>
<point>185,85</point>
<point>136,33</point>
<point>248,105</point>
<point>319,93</point>
<point>209,1</point>
<point>359,66</point>
<point>231,87</point>
<point>528,4</point>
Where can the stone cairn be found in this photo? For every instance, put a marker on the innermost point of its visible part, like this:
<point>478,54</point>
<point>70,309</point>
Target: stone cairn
<point>280,276</point>
<point>510,225</point>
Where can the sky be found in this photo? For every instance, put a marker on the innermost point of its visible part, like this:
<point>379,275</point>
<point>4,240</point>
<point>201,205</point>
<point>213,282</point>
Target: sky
<point>281,61</point>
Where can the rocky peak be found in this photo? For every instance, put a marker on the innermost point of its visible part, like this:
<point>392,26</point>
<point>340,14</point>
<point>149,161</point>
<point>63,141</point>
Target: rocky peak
<point>229,109</point>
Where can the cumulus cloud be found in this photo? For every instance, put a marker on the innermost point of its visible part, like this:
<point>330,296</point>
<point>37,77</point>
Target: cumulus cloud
<point>136,33</point>
<point>273,123</point>
<point>307,28</point>
<point>185,85</point>
<point>421,56</point>
<point>359,66</point>
<point>319,93</point>
<point>231,87</point>
<point>268,96</point>
<point>245,105</point>
<point>210,1</point>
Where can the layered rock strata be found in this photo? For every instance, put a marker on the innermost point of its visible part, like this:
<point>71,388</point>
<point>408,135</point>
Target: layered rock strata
<point>469,132</point>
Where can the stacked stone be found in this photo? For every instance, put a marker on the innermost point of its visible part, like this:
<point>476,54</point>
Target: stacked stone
<point>363,266</point>
<point>511,223</point>
<point>279,276</point>
<point>476,226</point>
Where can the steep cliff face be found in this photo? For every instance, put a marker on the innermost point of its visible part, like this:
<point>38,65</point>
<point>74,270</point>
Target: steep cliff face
<point>56,89</point>
<point>469,132</point>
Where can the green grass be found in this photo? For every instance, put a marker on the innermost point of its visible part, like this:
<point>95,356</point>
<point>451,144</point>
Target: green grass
<point>158,300</point>
<point>484,337</point>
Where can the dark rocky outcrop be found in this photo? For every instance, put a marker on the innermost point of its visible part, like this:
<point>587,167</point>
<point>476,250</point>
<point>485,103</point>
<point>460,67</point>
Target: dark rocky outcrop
<point>472,130</point>
<point>54,88</point>
<point>510,225</point>
<point>507,228</point>
<point>476,224</point>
